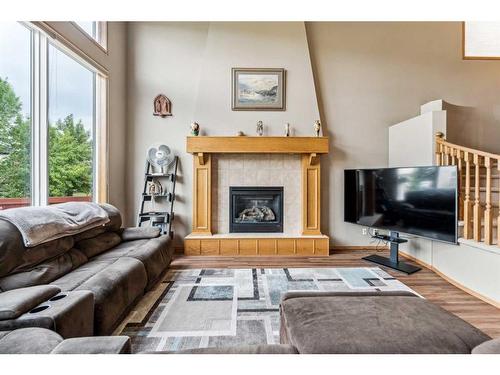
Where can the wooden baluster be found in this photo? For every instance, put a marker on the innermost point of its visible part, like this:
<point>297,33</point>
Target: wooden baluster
<point>467,200</point>
<point>488,215</point>
<point>476,224</point>
<point>453,160</point>
<point>460,185</point>
<point>439,148</point>
<point>447,151</point>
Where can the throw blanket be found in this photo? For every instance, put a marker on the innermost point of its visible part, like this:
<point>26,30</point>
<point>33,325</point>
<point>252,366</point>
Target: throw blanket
<point>42,224</point>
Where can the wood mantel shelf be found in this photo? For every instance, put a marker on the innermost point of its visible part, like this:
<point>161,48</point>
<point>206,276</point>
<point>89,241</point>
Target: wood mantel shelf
<point>255,145</point>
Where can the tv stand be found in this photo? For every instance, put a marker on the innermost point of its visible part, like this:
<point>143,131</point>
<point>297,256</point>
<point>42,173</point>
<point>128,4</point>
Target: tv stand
<point>393,261</point>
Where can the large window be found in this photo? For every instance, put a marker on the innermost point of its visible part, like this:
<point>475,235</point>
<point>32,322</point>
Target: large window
<point>71,128</point>
<point>52,121</point>
<point>15,115</point>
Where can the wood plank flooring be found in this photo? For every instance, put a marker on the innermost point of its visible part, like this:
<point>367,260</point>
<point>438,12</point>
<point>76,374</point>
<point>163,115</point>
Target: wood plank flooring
<point>427,283</point>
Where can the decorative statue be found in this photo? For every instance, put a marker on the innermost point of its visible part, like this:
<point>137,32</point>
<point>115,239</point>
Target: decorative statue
<point>260,128</point>
<point>162,106</point>
<point>287,129</point>
<point>195,129</point>
<point>317,127</point>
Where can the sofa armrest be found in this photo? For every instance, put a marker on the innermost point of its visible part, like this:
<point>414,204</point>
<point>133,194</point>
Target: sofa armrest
<point>488,347</point>
<point>300,294</point>
<point>139,233</point>
<point>94,345</point>
<point>16,302</point>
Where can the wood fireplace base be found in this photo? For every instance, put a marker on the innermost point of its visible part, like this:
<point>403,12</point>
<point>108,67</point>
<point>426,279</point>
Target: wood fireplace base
<point>241,244</point>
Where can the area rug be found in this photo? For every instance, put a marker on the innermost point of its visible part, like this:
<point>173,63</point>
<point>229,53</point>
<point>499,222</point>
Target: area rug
<point>228,307</point>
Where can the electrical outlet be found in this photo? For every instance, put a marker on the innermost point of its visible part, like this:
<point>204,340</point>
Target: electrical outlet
<point>375,232</point>
<point>365,231</point>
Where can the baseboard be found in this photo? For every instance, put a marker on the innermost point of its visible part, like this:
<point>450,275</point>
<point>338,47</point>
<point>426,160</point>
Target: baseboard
<point>451,281</point>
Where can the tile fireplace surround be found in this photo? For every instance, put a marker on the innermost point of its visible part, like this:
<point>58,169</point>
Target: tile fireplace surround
<point>256,170</point>
<point>290,162</point>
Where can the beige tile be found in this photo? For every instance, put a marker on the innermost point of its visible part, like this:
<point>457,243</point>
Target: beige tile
<point>236,162</point>
<point>276,161</point>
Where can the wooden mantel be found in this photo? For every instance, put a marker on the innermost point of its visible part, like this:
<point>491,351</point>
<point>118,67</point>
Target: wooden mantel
<point>256,145</point>
<point>310,242</point>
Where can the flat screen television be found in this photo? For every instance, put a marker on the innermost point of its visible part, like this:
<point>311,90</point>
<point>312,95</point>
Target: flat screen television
<point>421,201</point>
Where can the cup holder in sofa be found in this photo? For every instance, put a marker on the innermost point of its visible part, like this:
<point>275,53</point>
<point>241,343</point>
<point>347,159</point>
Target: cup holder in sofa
<point>57,298</point>
<point>39,309</point>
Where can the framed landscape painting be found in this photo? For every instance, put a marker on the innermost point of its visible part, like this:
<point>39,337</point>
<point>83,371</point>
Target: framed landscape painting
<point>258,89</point>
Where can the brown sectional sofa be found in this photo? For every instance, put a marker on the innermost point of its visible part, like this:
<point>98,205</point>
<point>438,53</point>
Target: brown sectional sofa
<point>115,266</point>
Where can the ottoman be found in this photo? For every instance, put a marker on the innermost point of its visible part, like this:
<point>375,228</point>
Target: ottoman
<point>372,323</point>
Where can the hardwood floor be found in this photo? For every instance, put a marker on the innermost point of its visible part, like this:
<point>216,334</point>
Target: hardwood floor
<point>427,283</point>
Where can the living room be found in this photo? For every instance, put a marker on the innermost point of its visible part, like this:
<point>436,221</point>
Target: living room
<point>289,183</point>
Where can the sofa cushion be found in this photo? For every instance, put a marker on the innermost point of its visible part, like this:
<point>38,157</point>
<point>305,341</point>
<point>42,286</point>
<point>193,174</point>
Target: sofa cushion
<point>115,288</point>
<point>94,345</point>
<point>14,303</point>
<point>29,341</point>
<point>373,324</point>
<point>99,244</point>
<point>45,272</point>
<point>155,254</point>
<point>488,347</point>
<point>31,256</point>
<point>139,233</point>
<point>11,247</point>
<point>113,225</point>
<point>77,277</point>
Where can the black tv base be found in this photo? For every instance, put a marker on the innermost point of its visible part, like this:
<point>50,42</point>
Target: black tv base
<point>393,261</point>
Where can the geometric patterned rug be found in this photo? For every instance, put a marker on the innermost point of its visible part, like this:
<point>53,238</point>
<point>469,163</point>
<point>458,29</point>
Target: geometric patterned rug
<point>228,307</point>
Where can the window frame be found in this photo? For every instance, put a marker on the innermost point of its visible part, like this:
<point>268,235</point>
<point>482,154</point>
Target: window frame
<point>101,39</point>
<point>467,57</point>
<point>40,42</point>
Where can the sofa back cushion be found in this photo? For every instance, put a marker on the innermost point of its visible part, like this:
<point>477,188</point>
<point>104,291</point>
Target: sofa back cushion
<point>44,272</point>
<point>99,244</point>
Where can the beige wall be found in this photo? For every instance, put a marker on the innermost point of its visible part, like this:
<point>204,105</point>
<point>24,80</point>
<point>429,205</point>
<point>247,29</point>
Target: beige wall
<point>372,75</point>
<point>115,63</point>
<point>191,64</point>
<point>368,76</point>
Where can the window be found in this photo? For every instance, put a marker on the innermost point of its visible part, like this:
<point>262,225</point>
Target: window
<point>97,30</point>
<point>71,118</point>
<point>15,115</point>
<point>52,121</point>
<point>481,40</point>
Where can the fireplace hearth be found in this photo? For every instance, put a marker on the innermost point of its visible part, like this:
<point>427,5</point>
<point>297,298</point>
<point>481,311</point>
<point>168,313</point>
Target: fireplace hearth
<point>256,209</point>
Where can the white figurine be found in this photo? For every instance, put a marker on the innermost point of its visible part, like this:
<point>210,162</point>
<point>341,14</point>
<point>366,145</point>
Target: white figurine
<point>260,128</point>
<point>317,127</point>
<point>287,129</point>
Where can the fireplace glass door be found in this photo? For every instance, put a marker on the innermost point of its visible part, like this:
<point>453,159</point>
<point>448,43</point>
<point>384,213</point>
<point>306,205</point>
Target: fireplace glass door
<point>255,209</point>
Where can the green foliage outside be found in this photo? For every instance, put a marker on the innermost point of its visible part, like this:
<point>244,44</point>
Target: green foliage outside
<point>70,152</point>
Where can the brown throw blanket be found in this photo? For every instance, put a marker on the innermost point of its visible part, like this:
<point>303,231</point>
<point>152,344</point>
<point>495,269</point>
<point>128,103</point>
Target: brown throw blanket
<point>42,224</point>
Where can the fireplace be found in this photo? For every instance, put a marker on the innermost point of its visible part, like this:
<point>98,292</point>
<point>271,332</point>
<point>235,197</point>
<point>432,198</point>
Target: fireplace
<point>255,209</point>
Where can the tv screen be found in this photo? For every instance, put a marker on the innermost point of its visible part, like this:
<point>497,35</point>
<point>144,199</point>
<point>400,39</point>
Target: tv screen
<point>417,200</point>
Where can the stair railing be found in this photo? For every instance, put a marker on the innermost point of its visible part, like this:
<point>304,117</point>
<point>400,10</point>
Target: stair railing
<point>477,170</point>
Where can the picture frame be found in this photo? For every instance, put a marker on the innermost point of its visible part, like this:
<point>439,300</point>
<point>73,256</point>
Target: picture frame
<point>258,89</point>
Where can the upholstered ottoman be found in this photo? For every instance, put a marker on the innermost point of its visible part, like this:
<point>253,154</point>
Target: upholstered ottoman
<point>372,323</point>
